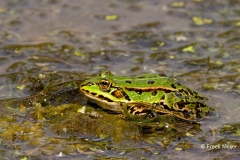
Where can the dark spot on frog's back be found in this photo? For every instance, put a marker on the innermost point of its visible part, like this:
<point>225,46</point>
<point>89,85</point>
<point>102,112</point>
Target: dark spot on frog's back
<point>179,84</point>
<point>154,93</point>
<point>141,77</point>
<point>139,92</point>
<point>128,81</point>
<point>167,91</point>
<point>150,82</point>
<point>163,97</point>
<point>162,75</point>
<point>126,96</point>
<point>173,86</point>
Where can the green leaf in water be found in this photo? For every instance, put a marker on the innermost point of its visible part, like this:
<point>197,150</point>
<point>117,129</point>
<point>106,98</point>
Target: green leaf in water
<point>188,49</point>
<point>21,87</point>
<point>111,17</point>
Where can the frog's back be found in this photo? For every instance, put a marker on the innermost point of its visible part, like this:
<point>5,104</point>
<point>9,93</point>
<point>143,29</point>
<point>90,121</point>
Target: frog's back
<point>144,80</point>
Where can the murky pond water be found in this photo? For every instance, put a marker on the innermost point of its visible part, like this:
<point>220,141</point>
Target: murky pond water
<point>49,47</point>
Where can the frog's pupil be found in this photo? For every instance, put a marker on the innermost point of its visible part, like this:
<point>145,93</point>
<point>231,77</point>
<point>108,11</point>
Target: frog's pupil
<point>104,83</point>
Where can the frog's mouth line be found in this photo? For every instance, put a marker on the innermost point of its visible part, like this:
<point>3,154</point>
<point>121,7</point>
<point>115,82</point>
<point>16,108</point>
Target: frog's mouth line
<point>104,102</point>
<point>94,95</point>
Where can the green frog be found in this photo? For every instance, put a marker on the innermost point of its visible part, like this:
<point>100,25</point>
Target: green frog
<point>145,95</point>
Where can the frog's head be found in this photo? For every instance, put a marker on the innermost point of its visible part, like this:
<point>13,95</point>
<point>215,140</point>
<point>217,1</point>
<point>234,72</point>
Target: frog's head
<point>98,84</point>
<point>102,90</point>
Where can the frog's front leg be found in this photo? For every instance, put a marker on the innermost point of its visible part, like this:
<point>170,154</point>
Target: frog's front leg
<point>137,110</point>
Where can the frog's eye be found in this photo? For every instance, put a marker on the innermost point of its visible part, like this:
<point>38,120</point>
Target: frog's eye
<point>104,85</point>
